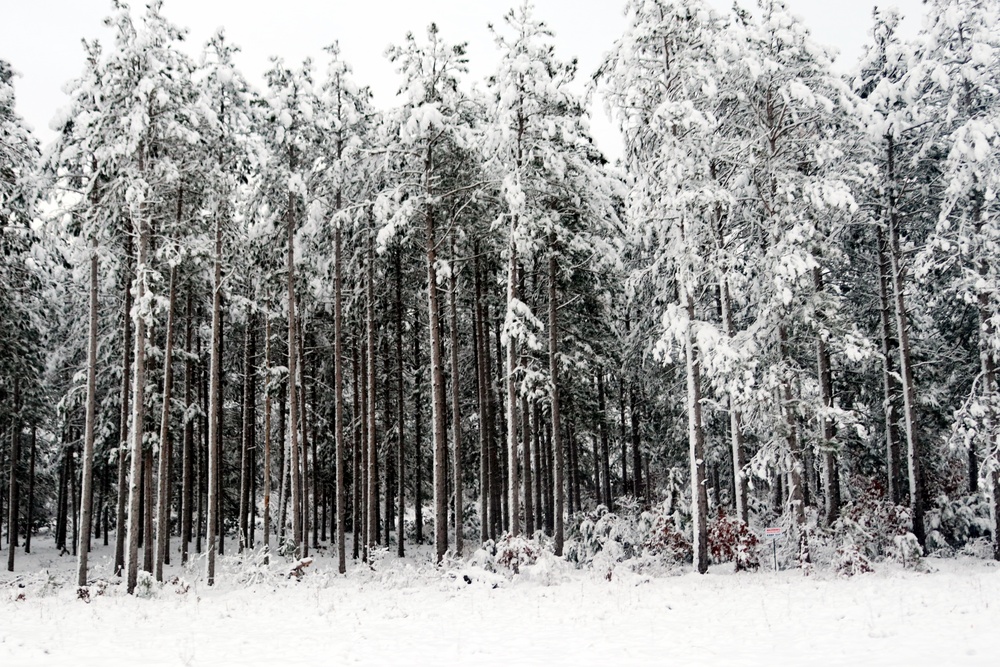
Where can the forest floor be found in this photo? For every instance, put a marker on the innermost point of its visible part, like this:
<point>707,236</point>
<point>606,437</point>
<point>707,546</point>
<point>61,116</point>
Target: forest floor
<point>408,611</point>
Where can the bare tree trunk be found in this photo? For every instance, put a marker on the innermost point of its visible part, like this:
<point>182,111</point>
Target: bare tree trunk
<point>123,425</point>
<point>831,478</point>
<point>214,411</point>
<point>418,432</point>
<point>163,483</point>
<point>794,445</point>
<point>898,276</point>
<point>267,439</point>
<point>371,444</point>
<point>456,407</point>
<point>554,375</point>
<point>735,417</point>
<point>83,550</point>
<point>12,490</point>
<point>437,374</point>
<point>696,442</point>
<point>187,447</point>
<point>481,380</point>
<point>513,487</point>
<point>304,436</point>
<point>293,395</point>
<point>245,470</point>
<point>889,387</point>
<point>356,479</point>
<point>400,411</point>
<point>31,492</point>
<point>529,506</point>
<point>605,445</point>
<point>138,407</point>
<point>338,388</point>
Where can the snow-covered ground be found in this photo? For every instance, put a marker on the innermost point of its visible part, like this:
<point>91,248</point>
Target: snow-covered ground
<point>409,612</point>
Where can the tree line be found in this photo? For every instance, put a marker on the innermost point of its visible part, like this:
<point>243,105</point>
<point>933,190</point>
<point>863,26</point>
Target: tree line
<point>308,318</point>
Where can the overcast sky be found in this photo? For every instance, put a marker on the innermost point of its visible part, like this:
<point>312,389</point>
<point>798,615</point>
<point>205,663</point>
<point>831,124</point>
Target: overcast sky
<point>41,38</point>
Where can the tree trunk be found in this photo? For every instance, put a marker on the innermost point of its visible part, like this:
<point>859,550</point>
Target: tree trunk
<point>163,483</point>
<point>481,380</point>
<point>437,374</point>
<point>295,466</point>
<point>12,490</point>
<point>123,424</point>
<point>602,407</point>
<point>83,550</point>
<point>30,522</point>
<point>138,405</point>
<point>267,439</point>
<point>557,449</point>
<point>890,389</point>
<point>338,388</point>
<point>371,501</point>
<point>898,275</point>
<point>456,406</point>
<point>400,411</point>
<point>245,471</point>
<point>696,443</point>
<point>356,456</point>
<point>831,478</point>
<point>215,407</point>
<point>510,372</point>
<point>187,447</point>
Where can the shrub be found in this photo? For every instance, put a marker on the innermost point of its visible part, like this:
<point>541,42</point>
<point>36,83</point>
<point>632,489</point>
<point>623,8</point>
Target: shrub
<point>730,540</point>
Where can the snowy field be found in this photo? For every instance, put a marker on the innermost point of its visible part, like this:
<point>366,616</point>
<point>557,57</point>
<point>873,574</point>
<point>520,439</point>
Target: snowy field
<point>409,612</point>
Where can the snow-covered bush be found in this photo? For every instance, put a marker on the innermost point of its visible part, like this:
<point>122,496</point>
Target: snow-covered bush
<point>872,522</point>
<point>603,540</point>
<point>849,561</point>
<point>954,522</point>
<point>730,540</point>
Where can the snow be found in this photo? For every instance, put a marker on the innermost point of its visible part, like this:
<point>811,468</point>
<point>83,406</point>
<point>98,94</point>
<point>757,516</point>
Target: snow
<point>410,612</point>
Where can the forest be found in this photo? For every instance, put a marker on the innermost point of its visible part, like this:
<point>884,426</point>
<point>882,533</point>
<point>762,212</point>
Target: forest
<point>283,322</point>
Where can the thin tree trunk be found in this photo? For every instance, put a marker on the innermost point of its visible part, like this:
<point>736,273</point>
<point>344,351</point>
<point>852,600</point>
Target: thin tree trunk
<point>794,445</point>
<point>696,443</point>
<point>890,389</point>
<point>245,471</point>
<point>267,439</point>
<point>123,425</point>
<point>557,449</point>
<point>400,411</point>
<point>30,522</point>
<point>437,374</point>
<point>187,447</point>
<point>295,467</point>
<point>371,444</point>
<point>12,490</point>
<point>481,380</point>
<point>215,407</point>
<point>163,483</point>
<point>602,407</point>
<point>456,407</point>
<point>338,388</point>
<point>898,276</point>
<point>83,550</point>
<point>138,406</point>
<point>418,489</point>
<point>831,479</point>
<point>513,487</point>
<point>356,456</point>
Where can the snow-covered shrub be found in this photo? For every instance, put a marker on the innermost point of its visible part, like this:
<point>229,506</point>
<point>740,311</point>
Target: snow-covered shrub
<point>145,585</point>
<point>953,522</point>
<point>513,553</point>
<point>730,540</point>
<point>872,522</point>
<point>849,561</point>
<point>603,540</point>
<point>906,549</point>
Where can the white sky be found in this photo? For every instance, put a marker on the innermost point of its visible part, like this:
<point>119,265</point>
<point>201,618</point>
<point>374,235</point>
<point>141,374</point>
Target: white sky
<point>41,38</point>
